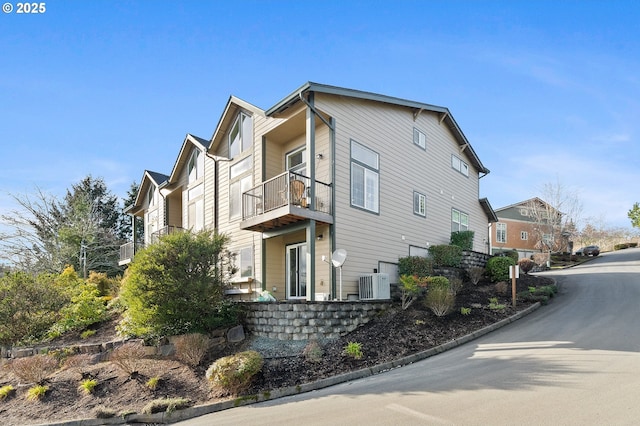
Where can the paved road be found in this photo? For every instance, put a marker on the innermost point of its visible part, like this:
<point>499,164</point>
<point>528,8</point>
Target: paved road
<point>573,362</point>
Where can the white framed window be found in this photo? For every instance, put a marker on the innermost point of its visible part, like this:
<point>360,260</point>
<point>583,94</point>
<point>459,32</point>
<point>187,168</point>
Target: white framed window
<point>524,235</point>
<point>365,185</point>
<point>419,204</point>
<point>245,262</point>
<point>420,138</point>
<point>241,135</point>
<point>459,165</point>
<point>459,220</point>
<point>195,207</point>
<point>195,168</point>
<point>236,189</point>
<point>296,161</point>
<point>501,232</point>
<point>239,182</point>
<point>152,199</point>
<point>196,215</point>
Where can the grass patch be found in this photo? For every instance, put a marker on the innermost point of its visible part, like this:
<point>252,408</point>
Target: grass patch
<point>168,405</point>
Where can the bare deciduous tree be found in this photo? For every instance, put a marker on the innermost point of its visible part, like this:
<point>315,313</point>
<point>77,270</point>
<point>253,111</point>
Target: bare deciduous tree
<point>45,234</point>
<point>555,215</point>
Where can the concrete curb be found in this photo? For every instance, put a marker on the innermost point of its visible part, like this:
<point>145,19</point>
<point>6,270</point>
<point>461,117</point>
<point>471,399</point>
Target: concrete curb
<point>200,410</point>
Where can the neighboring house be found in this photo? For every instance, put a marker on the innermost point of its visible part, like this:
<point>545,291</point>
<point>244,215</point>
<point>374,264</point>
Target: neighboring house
<point>325,168</point>
<point>526,228</point>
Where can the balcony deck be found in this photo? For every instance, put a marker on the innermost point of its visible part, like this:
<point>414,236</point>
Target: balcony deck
<point>284,200</point>
<point>128,250</point>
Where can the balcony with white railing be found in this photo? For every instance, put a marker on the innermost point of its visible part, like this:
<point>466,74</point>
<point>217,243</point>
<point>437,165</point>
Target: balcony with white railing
<point>128,250</point>
<point>283,200</point>
<point>165,230</point>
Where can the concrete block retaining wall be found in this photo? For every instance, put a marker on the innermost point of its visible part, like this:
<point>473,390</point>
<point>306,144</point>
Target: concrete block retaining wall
<point>101,351</point>
<point>302,320</point>
<point>474,259</point>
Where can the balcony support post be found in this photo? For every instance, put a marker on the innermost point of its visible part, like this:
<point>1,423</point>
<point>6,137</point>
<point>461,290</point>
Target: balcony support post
<point>311,260</point>
<point>311,169</point>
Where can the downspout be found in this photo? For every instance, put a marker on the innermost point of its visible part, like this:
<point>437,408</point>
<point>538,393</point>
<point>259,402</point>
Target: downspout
<point>216,191</point>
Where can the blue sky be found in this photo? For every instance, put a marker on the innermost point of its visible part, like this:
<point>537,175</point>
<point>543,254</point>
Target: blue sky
<point>546,91</point>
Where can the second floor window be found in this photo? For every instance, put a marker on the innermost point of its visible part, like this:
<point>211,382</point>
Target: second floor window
<point>459,221</point>
<point>459,165</point>
<point>524,235</point>
<point>239,182</point>
<point>501,232</point>
<point>196,166</point>
<point>364,177</point>
<point>151,196</point>
<point>297,161</point>
<point>241,135</point>
<point>419,204</point>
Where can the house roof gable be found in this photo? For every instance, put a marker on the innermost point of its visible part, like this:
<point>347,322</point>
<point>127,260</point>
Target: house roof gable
<point>418,107</point>
<point>148,177</point>
<point>234,105</point>
<point>488,210</point>
<point>189,140</point>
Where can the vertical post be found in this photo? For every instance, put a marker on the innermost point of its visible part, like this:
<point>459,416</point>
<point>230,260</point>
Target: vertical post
<point>514,273</point>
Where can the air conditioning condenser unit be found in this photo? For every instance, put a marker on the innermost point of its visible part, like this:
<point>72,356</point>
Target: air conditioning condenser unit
<point>374,287</point>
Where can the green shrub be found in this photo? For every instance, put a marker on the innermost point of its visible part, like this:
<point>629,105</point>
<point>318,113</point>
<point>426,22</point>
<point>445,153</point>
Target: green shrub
<point>462,239</point>
<point>465,311</point>
<point>86,308</point>
<point>445,255</point>
<point>438,282</point>
<point>415,265</point>
<point>440,300</point>
<point>176,285</point>
<point>233,374</point>
<point>353,350</point>
<point>36,392</point>
<point>87,333</point>
<point>6,391</point>
<point>513,254</point>
<point>29,306</point>
<point>621,246</point>
<point>526,265</point>
<point>498,268</point>
<point>494,305</point>
<point>87,386</point>
<point>153,383</point>
<point>411,286</point>
<point>531,297</point>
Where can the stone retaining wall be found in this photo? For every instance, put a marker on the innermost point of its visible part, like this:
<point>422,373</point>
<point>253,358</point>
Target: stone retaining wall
<point>474,259</point>
<point>303,320</point>
<point>101,351</point>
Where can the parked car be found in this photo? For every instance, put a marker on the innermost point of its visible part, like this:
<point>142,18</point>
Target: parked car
<point>589,251</point>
